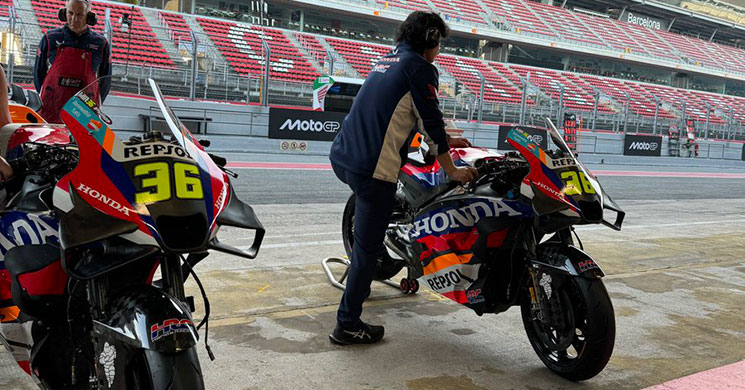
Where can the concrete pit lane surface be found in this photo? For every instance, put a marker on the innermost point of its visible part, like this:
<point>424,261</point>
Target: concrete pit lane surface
<point>676,275</point>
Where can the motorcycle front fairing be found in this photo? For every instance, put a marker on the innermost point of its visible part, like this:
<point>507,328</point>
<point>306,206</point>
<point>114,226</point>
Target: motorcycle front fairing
<point>560,185</point>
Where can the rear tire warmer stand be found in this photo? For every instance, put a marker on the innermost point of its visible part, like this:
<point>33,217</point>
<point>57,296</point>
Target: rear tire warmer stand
<point>407,285</point>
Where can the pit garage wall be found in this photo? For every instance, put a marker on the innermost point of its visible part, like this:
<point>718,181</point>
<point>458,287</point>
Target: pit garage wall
<point>242,128</point>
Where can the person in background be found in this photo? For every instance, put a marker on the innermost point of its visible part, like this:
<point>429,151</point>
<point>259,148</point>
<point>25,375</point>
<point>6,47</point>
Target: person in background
<point>6,171</point>
<point>71,58</point>
<point>398,96</point>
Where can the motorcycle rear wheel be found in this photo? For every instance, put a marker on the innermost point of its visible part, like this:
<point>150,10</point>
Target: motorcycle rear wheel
<point>583,349</point>
<point>153,370</point>
<point>386,267</point>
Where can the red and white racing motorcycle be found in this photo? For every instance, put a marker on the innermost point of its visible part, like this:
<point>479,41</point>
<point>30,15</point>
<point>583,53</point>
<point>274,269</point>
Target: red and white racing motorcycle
<point>505,240</point>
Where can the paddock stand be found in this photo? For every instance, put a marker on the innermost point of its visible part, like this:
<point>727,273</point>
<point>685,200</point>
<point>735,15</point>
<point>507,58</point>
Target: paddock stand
<point>407,285</point>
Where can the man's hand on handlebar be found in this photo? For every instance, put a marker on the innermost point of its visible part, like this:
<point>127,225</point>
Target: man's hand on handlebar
<point>459,142</point>
<point>463,174</point>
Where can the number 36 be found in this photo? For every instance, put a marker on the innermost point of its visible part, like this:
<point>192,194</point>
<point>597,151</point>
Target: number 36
<point>157,185</point>
<point>576,182</point>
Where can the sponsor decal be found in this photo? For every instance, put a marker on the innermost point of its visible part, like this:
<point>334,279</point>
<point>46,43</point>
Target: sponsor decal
<point>545,282</point>
<point>304,125</point>
<point>537,136</point>
<point>552,191</point>
<point>587,265</point>
<point>561,163</point>
<point>443,221</point>
<point>103,199</point>
<point>155,149</point>
<point>642,145</point>
<point>169,327</point>
<point>107,358</point>
<point>94,125</point>
<point>380,68</point>
<point>474,296</point>
<point>70,82</point>
<point>446,279</point>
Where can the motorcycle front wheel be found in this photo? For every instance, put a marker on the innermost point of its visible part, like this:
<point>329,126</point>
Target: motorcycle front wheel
<point>153,370</point>
<point>582,348</point>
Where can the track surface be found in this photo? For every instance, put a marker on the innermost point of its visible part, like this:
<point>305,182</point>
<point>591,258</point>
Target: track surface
<point>675,274</point>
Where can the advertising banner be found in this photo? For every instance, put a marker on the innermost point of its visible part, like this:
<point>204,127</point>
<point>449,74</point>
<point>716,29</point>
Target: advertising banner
<point>642,145</point>
<point>304,125</point>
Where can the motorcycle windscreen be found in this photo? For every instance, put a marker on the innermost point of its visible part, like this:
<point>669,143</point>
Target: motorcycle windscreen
<point>213,179</point>
<point>153,192</point>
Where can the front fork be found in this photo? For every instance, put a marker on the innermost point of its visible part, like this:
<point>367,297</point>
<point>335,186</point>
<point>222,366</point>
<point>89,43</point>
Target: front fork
<point>543,283</point>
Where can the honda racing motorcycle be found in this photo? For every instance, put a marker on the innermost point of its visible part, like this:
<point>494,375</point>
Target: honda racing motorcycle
<point>506,239</point>
<point>85,231</point>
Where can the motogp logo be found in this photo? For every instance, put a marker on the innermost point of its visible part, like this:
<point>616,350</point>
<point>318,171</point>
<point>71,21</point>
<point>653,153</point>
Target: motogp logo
<point>651,146</point>
<point>536,138</point>
<point>310,125</point>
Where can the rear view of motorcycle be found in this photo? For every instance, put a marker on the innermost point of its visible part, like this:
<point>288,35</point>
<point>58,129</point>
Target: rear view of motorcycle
<point>508,239</point>
<point>93,222</point>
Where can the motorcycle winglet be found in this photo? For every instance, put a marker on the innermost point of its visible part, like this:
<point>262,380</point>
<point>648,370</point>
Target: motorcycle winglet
<point>249,253</point>
<point>240,215</point>
<point>610,204</point>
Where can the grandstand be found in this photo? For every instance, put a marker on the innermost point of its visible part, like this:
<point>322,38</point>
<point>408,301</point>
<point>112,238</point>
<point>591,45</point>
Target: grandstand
<point>298,57</point>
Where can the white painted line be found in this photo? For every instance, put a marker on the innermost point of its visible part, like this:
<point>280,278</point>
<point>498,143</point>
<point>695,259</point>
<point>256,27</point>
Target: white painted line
<point>599,227</point>
<point>296,244</point>
<point>304,234</point>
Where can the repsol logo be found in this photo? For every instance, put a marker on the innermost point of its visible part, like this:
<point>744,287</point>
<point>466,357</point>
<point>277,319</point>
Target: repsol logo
<point>310,125</point>
<point>103,198</point>
<point>466,216</point>
<point>448,279</point>
<point>154,149</point>
<point>638,145</point>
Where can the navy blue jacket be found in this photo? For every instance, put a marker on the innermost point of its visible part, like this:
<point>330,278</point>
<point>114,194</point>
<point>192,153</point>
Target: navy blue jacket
<point>398,97</point>
<point>89,40</point>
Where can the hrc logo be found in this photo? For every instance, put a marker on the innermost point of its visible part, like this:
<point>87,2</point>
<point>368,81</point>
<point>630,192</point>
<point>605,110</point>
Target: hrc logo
<point>169,327</point>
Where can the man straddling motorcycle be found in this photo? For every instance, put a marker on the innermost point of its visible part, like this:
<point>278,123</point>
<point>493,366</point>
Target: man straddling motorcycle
<point>398,96</point>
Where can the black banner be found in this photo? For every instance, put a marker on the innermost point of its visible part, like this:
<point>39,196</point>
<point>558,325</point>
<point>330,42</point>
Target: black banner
<point>743,152</point>
<point>304,125</point>
<point>642,145</point>
<point>538,136</point>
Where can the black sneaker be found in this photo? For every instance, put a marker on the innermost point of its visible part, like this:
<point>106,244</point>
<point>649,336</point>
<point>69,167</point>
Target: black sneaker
<point>366,334</point>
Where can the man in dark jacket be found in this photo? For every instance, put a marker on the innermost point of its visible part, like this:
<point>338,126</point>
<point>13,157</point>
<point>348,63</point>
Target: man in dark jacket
<point>398,96</point>
<point>69,59</point>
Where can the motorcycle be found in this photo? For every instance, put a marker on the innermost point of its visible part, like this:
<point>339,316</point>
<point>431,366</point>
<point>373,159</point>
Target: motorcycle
<point>84,232</point>
<point>505,239</point>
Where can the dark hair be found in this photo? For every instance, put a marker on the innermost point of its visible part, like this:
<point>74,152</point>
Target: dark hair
<point>422,30</point>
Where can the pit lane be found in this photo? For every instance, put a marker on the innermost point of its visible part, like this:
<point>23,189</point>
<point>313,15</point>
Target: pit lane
<point>675,274</point>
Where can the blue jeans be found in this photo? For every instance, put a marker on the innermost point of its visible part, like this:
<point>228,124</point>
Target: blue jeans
<point>374,201</point>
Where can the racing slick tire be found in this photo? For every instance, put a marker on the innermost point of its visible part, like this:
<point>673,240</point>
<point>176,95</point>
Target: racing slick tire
<point>153,370</point>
